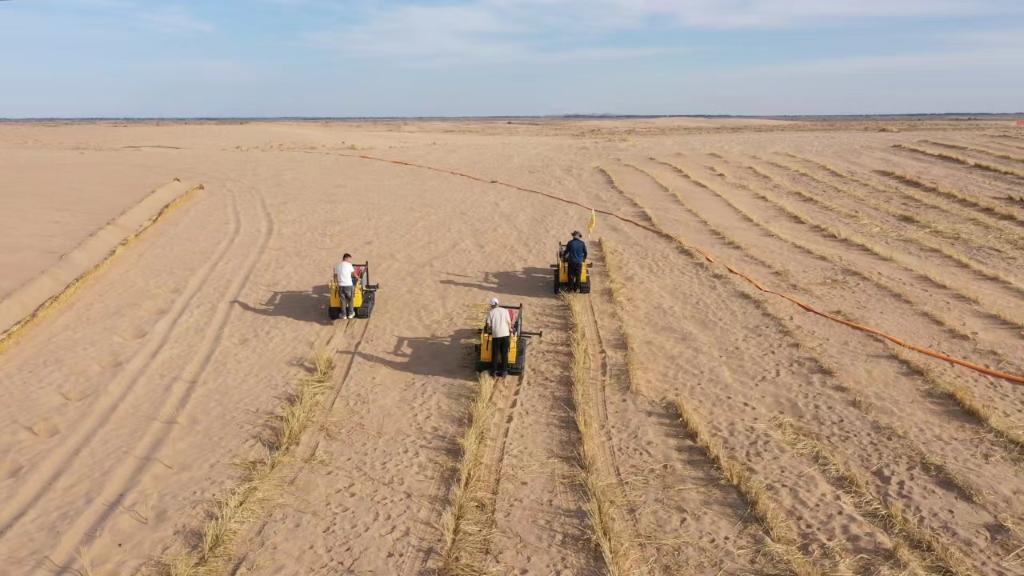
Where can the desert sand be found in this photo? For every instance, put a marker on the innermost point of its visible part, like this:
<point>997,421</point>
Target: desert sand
<point>674,421</point>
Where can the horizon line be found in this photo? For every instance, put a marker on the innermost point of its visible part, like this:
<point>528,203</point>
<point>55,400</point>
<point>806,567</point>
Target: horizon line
<point>908,115</point>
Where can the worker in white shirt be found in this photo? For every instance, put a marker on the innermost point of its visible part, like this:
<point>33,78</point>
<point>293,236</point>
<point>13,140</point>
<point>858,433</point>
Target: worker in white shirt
<point>344,273</point>
<point>499,322</point>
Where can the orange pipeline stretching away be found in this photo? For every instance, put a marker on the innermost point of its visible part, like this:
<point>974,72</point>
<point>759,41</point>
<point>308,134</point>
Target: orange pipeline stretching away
<point>1015,378</point>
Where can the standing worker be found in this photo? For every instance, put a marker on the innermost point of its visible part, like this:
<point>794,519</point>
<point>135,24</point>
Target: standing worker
<point>499,322</point>
<point>343,273</point>
<point>575,254</point>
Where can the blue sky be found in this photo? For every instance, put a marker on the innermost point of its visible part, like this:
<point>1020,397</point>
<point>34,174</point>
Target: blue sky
<point>74,58</point>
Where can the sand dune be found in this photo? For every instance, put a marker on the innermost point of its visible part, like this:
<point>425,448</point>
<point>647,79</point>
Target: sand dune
<point>675,421</point>
<point>30,299</point>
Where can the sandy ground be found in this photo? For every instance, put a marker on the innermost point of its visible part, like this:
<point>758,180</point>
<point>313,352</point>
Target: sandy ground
<point>802,446</point>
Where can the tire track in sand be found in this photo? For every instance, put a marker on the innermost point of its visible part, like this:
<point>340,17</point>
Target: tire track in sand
<point>541,522</point>
<point>628,549</point>
<point>334,340</point>
<point>46,473</point>
<point>121,481</point>
<point>463,552</point>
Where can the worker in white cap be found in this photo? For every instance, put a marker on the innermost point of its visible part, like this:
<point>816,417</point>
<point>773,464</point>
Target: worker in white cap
<point>499,323</point>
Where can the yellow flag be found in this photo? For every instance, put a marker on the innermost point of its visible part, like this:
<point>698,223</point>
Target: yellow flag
<point>593,221</point>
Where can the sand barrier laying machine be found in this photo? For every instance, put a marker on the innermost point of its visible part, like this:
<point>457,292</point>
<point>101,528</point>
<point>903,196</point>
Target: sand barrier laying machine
<point>560,272</point>
<point>516,347</point>
<point>364,294</point>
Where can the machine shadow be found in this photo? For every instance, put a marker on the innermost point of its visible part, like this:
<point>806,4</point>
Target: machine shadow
<point>525,282</point>
<point>301,305</point>
<point>446,356</point>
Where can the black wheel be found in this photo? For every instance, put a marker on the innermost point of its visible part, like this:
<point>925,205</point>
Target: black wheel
<point>585,287</point>
<point>366,309</point>
<point>558,286</point>
<point>333,312</point>
<point>520,364</point>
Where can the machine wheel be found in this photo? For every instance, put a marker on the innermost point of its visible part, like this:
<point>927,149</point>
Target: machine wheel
<point>366,309</point>
<point>558,286</point>
<point>480,364</point>
<point>585,287</point>
<point>333,313</point>
<point>520,364</point>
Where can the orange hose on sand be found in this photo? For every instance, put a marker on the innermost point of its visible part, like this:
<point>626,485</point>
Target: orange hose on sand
<point>1015,378</point>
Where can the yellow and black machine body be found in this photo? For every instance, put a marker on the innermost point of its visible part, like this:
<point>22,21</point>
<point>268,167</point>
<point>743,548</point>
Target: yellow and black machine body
<point>560,272</point>
<point>364,294</point>
<point>516,346</point>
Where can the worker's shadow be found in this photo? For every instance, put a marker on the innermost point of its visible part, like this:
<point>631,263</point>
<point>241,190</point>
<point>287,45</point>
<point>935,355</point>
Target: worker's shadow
<point>449,356</point>
<point>301,305</point>
<point>525,282</point>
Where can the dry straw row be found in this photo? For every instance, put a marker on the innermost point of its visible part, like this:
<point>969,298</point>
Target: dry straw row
<point>229,513</point>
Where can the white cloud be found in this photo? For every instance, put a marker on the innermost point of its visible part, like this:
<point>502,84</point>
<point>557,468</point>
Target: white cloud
<point>991,50</point>
<point>503,30</point>
<point>781,13</point>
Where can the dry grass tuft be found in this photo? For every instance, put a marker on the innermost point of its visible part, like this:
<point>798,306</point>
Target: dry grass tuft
<point>778,528</point>
<point>230,512</point>
<point>467,523</point>
<point>912,544</point>
<point>605,504</point>
<point>612,269</point>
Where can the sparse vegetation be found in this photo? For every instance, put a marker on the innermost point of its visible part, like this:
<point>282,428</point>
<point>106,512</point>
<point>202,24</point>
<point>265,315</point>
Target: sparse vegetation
<point>859,243</point>
<point>937,555</point>
<point>1013,440</point>
<point>953,209</point>
<point>467,523</point>
<point>973,202</point>
<point>605,503</point>
<point>781,531</point>
<point>613,270</point>
<point>230,512</point>
<point>982,166</point>
<point>917,240</point>
<point>975,150</point>
<point>684,418</point>
<point>610,180</point>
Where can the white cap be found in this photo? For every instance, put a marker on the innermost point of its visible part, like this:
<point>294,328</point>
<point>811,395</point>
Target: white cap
<point>494,301</point>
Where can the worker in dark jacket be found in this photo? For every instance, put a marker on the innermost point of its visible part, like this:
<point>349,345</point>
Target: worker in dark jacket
<point>575,254</point>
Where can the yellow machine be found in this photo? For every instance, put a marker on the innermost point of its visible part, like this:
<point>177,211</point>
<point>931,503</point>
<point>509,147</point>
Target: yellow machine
<point>364,293</point>
<point>516,346</point>
<point>561,273</point>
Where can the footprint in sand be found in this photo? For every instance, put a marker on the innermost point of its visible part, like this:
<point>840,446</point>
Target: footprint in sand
<point>74,395</point>
<point>45,428</point>
<point>132,333</point>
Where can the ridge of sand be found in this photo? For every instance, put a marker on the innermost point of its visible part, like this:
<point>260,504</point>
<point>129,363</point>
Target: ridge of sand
<point>34,297</point>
